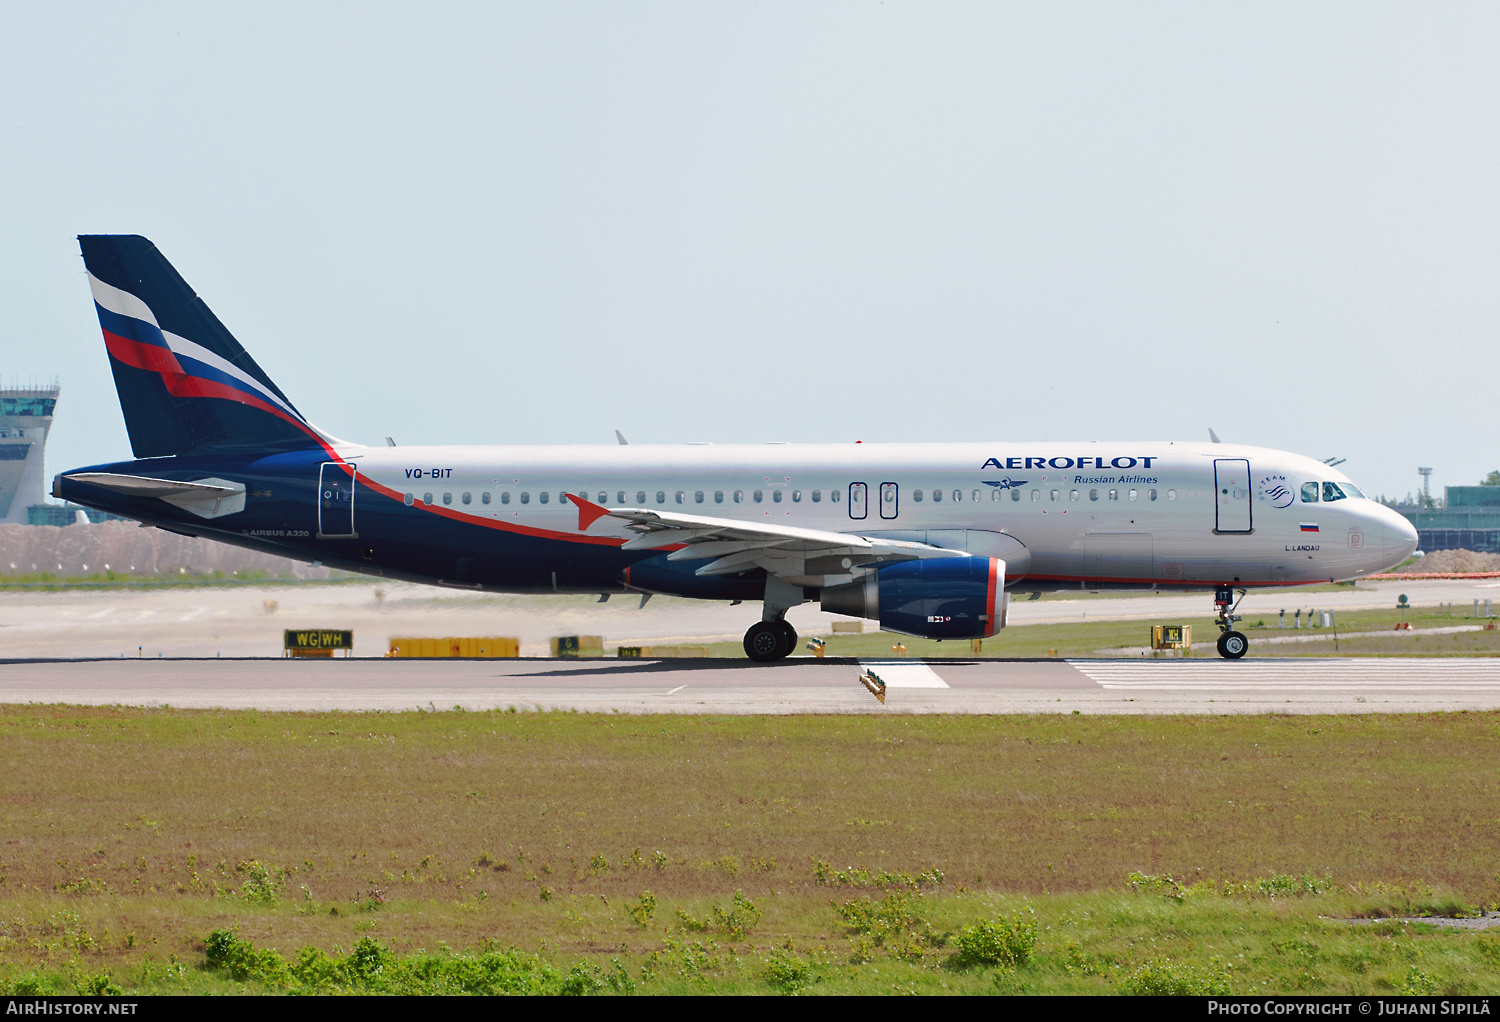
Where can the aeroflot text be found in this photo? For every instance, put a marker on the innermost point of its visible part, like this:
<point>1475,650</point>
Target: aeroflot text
<point>1089,462</point>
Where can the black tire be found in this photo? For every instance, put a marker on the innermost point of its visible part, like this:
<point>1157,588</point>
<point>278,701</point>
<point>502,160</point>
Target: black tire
<point>791,636</point>
<point>1233,645</point>
<point>766,641</point>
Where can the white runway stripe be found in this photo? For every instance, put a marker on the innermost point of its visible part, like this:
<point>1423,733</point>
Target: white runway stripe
<point>1392,675</point>
<point>904,673</point>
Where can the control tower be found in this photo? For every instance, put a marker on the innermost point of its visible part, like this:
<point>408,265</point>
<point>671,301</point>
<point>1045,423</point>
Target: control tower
<point>25,421</point>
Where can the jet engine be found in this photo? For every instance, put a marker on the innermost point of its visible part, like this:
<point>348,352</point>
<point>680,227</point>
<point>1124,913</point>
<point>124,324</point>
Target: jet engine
<point>934,598</point>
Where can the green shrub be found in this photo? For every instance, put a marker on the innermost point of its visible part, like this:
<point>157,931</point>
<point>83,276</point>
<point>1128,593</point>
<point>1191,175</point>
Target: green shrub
<point>787,972</point>
<point>1162,977</point>
<point>98,986</point>
<point>242,961</point>
<point>31,984</point>
<point>262,884</point>
<point>642,911</point>
<point>998,941</point>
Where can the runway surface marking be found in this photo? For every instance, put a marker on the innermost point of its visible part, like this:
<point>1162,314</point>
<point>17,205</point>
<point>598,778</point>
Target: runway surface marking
<point>676,690</point>
<point>1456,674</point>
<point>904,674</point>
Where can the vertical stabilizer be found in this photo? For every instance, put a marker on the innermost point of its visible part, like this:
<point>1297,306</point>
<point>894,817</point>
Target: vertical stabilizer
<point>184,382</point>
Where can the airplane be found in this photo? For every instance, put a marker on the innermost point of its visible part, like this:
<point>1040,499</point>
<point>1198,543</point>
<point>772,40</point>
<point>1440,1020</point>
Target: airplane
<point>929,540</point>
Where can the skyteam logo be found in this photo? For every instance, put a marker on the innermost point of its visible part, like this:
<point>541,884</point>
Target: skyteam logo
<point>1275,489</point>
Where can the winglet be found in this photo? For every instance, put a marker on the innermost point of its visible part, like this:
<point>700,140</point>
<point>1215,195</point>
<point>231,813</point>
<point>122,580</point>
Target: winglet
<point>588,511</point>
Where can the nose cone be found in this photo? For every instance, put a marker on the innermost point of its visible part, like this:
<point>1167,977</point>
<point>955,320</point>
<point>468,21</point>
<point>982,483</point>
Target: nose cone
<point>1400,536</point>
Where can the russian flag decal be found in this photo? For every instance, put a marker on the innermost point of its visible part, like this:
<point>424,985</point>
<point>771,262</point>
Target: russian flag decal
<point>1309,526</point>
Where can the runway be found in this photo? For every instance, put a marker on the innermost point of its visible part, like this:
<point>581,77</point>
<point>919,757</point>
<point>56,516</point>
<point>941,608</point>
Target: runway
<point>798,685</point>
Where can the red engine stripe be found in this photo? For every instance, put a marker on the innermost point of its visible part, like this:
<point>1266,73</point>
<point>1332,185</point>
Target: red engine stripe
<point>989,601</point>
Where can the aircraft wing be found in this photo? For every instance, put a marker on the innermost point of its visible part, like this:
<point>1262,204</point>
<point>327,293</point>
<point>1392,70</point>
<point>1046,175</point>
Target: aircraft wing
<point>800,556</point>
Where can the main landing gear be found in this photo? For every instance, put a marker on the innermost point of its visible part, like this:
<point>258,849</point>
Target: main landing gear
<point>770,640</point>
<point>1232,644</point>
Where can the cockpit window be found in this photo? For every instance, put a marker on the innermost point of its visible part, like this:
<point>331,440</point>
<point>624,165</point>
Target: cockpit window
<point>1309,493</point>
<point>1351,490</point>
<point>1331,491</point>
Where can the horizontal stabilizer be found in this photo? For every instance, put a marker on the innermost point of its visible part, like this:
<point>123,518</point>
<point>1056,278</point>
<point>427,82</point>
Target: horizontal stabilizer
<point>206,498</point>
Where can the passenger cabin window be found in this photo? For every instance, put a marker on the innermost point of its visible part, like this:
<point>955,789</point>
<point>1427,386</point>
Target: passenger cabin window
<point>1054,496</point>
<point>468,498</point>
<point>739,496</point>
<point>1114,494</point>
<point>698,497</point>
<point>776,496</point>
<point>1133,495</point>
<point>484,498</point>
<point>916,495</point>
<point>505,497</point>
<point>604,497</point>
<point>621,496</point>
<point>817,495</point>
<point>757,496</point>
<point>975,496</point>
<point>1171,494</point>
<point>408,499</point>
<point>937,495</point>
<point>1036,495</point>
<point>835,496</point>
<point>447,498</point>
<point>427,498</point>
<point>1073,495</point>
<point>661,496</point>
<point>680,495</point>
<point>1014,495</point>
<point>1151,494</point>
<point>1309,493</point>
<point>958,496</point>
<point>640,496</point>
<point>1093,495</point>
<point>562,498</point>
<point>525,497</point>
<point>1331,491</point>
<point>544,496</point>
<point>718,496</point>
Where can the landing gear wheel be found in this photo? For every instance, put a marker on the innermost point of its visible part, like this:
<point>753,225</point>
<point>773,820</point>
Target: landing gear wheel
<point>767,641</point>
<point>1233,645</point>
<point>791,636</point>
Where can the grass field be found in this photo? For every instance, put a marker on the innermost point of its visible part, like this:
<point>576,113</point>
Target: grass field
<point>161,850</point>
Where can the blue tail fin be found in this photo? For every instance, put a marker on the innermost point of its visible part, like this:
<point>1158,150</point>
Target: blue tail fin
<point>184,381</point>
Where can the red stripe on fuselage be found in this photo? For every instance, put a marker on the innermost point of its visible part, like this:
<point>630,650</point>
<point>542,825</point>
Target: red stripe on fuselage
<point>1167,582</point>
<point>524,530</point>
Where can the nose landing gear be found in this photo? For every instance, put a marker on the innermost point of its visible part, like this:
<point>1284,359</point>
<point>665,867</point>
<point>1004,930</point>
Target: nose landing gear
<point>1232,644</point>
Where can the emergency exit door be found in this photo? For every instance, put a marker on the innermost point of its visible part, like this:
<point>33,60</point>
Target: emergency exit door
<point>335,500</point>
<point>1231,495</point>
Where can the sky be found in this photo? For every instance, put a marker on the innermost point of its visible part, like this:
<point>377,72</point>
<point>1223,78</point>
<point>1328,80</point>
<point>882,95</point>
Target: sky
<point>744,222</point>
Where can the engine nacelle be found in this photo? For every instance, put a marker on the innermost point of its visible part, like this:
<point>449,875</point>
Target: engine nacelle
<point>934,598</point>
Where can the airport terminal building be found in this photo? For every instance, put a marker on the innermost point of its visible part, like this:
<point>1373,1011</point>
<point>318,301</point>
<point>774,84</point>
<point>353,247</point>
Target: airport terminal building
<point>1468,520</point>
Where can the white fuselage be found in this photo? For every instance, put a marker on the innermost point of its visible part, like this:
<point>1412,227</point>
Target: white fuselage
<point>1136,514</point>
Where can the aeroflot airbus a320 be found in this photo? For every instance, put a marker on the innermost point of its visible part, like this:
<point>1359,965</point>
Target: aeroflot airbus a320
<point>928,539</point>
